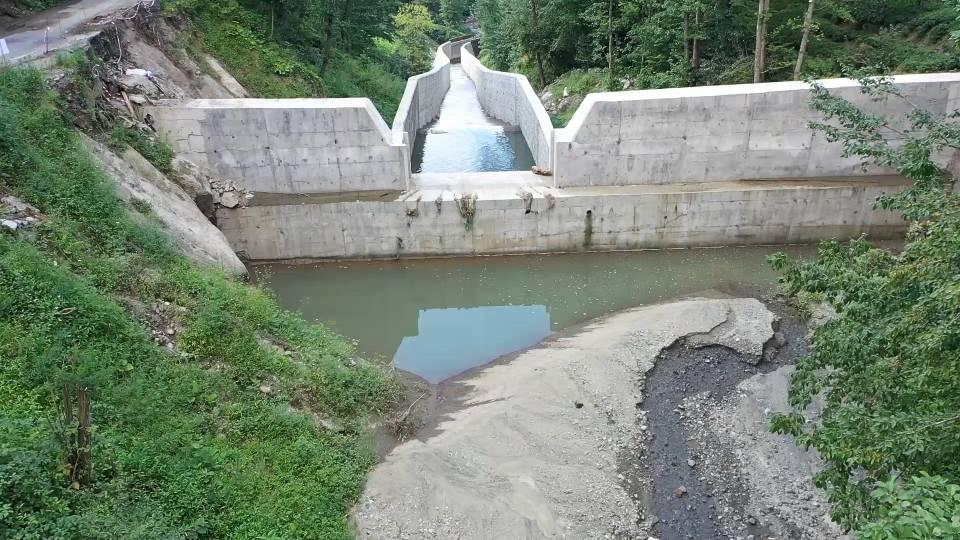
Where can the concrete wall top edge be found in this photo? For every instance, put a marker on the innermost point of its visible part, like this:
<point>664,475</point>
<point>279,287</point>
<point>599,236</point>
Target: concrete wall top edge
<point>762,88</point>
<point>267,103</point>
<point>593,100</point>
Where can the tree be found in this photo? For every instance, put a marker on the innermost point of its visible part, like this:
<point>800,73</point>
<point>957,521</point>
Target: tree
<point>760,48</point>
<point>696,37</point>
<point>495,42</point>
<point>452,12</point>
<point>888,368</point>
<point>413,24</point>
<point>609,42</point>
<point>537,46</point>
<point>807,25</point>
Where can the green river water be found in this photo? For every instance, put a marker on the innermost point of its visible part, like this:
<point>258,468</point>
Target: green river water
<point>439,317</point>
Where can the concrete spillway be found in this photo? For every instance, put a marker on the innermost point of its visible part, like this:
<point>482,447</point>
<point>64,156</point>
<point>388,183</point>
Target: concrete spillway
<point>681,167</point>
<point>465,139</point>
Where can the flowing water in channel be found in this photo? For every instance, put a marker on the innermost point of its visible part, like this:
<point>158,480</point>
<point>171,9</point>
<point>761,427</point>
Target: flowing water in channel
<point>464,139</point>
<point>440,317</point>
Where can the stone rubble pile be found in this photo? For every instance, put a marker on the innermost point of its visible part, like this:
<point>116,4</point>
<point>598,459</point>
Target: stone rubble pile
<point>228,194</point>
<point>162,318</point>
<point>16,214</point>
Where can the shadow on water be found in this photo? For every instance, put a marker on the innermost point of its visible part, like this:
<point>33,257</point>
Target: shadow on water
<point>440,317</point>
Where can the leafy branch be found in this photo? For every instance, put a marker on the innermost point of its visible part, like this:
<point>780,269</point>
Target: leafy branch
<point>887,370</point>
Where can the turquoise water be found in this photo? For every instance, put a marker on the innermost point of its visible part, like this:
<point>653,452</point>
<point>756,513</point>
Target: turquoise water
<point>440,317</point>
<point>464,139</point>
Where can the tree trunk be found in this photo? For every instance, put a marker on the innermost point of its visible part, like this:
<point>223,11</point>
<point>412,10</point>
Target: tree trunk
<point>610,41</point>
<point>327,43</point>
<point>759,50</point>
<point>537,53</point>
<point>77,435</point>
<point>763,43</point>
<point>807,24</point>
<point>344,39</point>
<point>686,36</point>
<point>695,58</point>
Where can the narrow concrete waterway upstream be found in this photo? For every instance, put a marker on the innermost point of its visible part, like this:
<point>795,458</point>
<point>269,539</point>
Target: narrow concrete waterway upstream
<point>464,139</point>
<point>440,317</point>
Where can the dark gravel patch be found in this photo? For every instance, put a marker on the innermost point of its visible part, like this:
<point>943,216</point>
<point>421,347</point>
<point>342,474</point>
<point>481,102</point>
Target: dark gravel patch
<point>685,497</point>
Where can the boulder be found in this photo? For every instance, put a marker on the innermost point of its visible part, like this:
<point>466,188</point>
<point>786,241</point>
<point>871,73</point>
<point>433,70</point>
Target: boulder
<point>230,199</point>
<point>196,183</point>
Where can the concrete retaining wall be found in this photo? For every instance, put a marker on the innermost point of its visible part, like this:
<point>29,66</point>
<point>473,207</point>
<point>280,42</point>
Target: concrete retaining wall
<point>452,48</point>
<point>421,100</point>
<point>423,97</point>
<point>508,97</point>
<point>727,213</point>
<point>720,133</point>
<point>286,145</point>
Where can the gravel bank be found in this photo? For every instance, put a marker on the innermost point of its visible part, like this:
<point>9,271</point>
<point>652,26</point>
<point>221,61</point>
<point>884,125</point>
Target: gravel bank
<point>537,446</point>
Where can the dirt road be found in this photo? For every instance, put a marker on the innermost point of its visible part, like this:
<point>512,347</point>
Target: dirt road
<point>56,28</point>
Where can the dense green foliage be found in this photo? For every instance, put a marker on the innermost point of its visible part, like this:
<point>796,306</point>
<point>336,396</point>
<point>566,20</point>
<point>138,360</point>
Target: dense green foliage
<point>414,23</point>
<point>888,368</point>
<point>35,5</point>
<point>925,507</point>
<point>452,13</point>
<point>320,48</point>
<point>220,437</point>
<point>689,42</point>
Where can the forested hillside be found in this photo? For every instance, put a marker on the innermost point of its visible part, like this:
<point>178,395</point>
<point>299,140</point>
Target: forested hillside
<point>593,45</point>
<point>322,48</point>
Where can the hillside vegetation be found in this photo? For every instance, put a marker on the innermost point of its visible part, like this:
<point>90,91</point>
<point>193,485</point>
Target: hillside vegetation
<point>141,395</point>
<point>319,48</point>
<point>888,368</point>
<point>19,7</point>
<point>249,424</point>
<point>596,45</point>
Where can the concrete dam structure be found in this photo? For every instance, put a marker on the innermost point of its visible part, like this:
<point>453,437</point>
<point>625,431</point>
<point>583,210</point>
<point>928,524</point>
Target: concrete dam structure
<point>702,166</point>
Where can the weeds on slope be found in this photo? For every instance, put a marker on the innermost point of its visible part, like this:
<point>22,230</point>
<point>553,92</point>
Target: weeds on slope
<point>221,436</point>
<point>243,39</point>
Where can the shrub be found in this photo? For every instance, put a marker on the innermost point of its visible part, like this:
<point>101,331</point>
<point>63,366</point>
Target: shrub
<point>887,367</point>
<point>925,507</point>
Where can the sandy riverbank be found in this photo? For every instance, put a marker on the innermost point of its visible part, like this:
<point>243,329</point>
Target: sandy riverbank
<point>533,447</point>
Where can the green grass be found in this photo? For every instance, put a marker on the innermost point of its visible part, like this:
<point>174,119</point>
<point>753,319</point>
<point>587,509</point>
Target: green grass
<point>582,81</point>
<point>154,150</point>
<point>186,445</point>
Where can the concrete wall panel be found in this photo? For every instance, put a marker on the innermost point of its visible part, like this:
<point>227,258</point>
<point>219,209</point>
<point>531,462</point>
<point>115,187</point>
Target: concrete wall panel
<point>709,214</point>
<point>508,97</point>
<point>286,145</point>
<point>721,133</point>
